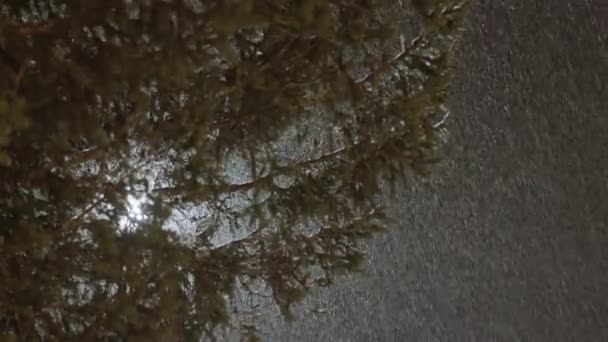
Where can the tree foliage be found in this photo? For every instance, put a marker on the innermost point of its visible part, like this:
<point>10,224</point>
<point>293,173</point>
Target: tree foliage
<point>125,123</point>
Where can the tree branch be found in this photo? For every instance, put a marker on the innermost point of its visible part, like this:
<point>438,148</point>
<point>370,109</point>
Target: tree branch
<point>390,61</point>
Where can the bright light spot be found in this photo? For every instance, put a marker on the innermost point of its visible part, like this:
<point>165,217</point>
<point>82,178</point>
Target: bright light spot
<point>134,206</point>
<point>135,212</point>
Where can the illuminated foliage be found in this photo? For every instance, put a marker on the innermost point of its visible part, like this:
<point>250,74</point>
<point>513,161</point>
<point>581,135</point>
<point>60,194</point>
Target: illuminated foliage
<point>156,157</point>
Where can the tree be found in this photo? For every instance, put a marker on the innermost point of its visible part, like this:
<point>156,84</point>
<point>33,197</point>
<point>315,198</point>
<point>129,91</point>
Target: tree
<point>266,129</point>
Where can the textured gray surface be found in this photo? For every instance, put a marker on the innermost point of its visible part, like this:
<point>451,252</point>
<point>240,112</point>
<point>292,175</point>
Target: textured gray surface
<point>508,241</point>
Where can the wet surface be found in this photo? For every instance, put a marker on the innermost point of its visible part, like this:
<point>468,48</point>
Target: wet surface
<point>508,241</point>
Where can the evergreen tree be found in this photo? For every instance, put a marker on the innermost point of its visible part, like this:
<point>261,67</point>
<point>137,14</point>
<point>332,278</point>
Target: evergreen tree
<point>156,157</point>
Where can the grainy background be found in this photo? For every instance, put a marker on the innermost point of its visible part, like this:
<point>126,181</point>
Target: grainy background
<point>508,241</point>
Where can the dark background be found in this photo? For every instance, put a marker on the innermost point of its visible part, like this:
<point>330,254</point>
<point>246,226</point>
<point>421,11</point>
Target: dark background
<point>508,240</point>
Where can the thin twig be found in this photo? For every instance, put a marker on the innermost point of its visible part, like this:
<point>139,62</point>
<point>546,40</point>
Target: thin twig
<point>68,225</point>
<point>387,63</point>
<point>442,121</point>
